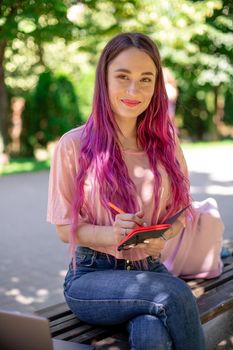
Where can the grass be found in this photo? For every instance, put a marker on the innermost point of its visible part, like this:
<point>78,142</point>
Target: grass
<point>205,144</point>
<point>21,165</point>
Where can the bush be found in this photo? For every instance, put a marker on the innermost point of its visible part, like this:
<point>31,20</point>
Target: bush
<point>50,110</point>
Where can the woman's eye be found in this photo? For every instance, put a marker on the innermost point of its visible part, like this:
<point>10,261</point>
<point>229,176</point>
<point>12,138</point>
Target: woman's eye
<point>146,80</point>
<point>122,76</point>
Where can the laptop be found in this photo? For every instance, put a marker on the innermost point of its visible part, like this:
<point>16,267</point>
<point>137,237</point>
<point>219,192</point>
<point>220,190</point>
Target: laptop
<point>28,332</point>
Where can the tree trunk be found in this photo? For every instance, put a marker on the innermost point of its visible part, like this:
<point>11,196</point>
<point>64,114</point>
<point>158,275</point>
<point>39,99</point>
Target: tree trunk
<point>218,113</point>
<point>3,101</point>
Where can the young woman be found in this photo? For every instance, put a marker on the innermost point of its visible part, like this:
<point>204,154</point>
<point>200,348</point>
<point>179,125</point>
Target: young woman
<point>127,154</point>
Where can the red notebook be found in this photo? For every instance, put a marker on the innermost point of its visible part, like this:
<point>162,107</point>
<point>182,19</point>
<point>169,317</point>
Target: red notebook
<point>140,234</point>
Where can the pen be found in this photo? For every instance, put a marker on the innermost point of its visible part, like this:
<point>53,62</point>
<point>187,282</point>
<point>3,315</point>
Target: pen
<point>119,210</point>
<point>113,206</point>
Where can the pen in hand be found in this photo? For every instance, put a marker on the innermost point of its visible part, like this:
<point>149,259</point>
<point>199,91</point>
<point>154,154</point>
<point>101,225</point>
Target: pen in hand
<point>118,210</point>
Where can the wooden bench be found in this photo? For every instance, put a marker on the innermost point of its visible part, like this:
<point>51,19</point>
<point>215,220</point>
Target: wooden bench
<point>215,302</point>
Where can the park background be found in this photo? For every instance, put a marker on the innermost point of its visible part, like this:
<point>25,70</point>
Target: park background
<point>48,54</point>
<point>49,50</point>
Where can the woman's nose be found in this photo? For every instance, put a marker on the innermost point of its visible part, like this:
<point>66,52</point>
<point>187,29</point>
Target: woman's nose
<point>132,88</point>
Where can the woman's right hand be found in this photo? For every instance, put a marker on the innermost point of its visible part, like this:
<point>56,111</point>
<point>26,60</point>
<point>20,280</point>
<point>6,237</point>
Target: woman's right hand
<point>124,223</point>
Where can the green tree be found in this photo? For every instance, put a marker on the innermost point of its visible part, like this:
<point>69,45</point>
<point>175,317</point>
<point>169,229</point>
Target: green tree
<point>213,70</point>
<point>36,20</point>
<point>228,108</point>
<point>195,40</point>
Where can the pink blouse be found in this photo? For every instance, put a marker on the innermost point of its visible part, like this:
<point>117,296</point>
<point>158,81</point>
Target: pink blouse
<point>63,171</point>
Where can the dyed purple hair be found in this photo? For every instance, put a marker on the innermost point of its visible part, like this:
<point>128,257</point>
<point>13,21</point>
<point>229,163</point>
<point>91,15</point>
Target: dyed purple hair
<point>100,149</point>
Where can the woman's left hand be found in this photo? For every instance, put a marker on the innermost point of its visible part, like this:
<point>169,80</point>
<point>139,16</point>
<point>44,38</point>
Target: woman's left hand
<point>152,246</point>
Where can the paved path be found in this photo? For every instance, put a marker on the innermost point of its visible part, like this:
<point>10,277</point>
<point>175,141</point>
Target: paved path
<point>33,261</point>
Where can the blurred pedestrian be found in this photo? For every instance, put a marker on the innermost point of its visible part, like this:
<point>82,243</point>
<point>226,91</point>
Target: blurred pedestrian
<point>172,92</point>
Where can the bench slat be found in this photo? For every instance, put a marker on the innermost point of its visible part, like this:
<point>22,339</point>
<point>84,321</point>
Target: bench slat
<point>227,270</point>
<point>63,319</point>
<point>98,334</point>
<point>68,325</point>
<point>213,283</point>
<point>216,301</point>
<point>70,334</point>
<point>55,311</point>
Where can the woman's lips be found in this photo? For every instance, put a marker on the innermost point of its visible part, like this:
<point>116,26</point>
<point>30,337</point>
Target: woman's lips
<point>130,103</point>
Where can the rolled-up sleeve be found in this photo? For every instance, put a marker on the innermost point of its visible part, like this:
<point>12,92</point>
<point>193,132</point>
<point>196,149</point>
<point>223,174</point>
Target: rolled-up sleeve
<point>62,181</point>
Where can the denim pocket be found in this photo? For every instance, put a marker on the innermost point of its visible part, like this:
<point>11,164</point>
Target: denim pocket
<point>85,260</point>
<point>85,257</point>
<point>89,258</point>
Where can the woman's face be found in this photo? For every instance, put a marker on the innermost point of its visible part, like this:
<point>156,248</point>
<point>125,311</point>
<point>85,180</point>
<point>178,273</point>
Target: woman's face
<point>131,82</point>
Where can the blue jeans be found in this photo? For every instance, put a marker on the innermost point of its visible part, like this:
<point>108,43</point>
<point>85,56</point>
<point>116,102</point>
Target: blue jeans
<point>159,310</point>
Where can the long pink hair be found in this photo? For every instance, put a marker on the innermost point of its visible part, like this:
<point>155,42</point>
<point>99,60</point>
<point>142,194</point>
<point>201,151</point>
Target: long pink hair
<point>100,152</point>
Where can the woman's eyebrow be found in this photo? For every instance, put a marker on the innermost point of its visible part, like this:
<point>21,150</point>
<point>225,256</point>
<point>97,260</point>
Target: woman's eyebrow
<point>128,71</point>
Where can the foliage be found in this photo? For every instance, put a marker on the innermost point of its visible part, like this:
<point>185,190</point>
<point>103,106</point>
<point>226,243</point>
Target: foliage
<point>84,86</point>
<point>195,39</point>
<point>26,25</point>
<point>38,19</point>
<point>50,110</point>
